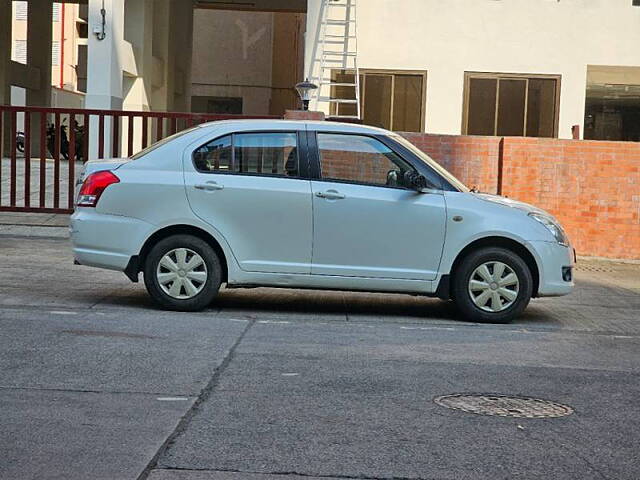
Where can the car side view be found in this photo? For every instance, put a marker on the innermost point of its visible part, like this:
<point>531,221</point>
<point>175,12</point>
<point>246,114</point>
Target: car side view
<point>317,205</point>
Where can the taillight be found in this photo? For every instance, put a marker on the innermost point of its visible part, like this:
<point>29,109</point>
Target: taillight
<point>93,186</point>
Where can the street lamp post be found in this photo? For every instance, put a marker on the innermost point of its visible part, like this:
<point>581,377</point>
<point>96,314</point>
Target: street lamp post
<point>304,90</point>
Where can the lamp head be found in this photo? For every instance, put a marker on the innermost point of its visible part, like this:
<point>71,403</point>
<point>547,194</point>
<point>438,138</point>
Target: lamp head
<point>304,90</point>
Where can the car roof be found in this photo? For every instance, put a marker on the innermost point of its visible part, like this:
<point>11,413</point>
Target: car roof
<point>276,124</point>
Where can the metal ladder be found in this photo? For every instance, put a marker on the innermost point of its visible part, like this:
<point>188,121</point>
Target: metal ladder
<point>339,51</point>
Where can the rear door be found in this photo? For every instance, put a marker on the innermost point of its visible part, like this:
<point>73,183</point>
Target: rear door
<point>253,187</point>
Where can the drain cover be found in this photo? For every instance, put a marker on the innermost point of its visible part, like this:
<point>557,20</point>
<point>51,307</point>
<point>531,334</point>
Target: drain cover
<point>594,268</point>
<point>504,406</point>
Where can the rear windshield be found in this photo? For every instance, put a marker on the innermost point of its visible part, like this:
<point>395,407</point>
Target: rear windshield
<point>160,143</point>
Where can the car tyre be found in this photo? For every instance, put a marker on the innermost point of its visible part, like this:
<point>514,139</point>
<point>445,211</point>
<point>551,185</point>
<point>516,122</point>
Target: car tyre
<point>182,273</point>
<point>492,285</point>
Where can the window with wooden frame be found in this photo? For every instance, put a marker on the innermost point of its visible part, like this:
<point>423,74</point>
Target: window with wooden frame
<point>390,99</point>
<point>511,104</point>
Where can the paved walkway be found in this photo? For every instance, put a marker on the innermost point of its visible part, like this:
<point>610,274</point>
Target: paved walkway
<point>5,182</point>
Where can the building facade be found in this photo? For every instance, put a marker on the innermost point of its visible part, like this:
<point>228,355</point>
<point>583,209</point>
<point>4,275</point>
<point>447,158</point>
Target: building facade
<point>68,52</point>
<point>495,67</point>
<point>547,68</point>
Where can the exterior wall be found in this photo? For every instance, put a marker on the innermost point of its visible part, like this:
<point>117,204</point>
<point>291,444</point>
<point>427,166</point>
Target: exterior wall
<point>63,33</point>
<point>63,98</point>
<point>502,36</point>
<point>256,56</point>
<point>592,187</point>
<point>233,54</point>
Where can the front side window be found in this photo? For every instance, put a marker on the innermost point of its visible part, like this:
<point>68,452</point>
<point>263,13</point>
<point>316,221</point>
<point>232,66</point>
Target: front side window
<point>360,159</point>
<point>250,153</point>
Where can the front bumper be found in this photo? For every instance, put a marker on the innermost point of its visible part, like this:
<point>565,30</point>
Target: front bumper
<point>554,261</point>
<point>106,241</point>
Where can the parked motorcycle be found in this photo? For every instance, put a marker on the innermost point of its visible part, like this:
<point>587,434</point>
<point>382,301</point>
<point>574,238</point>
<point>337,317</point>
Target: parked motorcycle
<point>79,133</point>
<point>20,142</point>
<point>64,140</point>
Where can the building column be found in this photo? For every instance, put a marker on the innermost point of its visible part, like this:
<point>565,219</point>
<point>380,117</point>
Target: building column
<point>180,55</point>
<point>172,50</point>
<point>39,43</point>
<point>104,67</point>
<point>39,57</point>
<point>5,51</point>
<point>5,67</point>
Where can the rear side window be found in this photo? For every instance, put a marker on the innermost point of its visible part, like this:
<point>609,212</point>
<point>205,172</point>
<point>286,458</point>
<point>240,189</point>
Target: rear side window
<point>250,153</point>
<point>215,156</point>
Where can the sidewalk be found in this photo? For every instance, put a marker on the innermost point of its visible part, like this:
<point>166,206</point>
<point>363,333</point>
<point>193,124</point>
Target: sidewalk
<point>34,181</point>
<point>20,224</point>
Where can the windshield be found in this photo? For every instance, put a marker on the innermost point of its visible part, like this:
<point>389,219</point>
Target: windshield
<point>432,163</point>
<point>160,143</point>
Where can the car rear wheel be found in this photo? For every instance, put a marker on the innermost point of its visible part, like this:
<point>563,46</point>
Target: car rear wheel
<point>492,285</point>
<point>182,273</point>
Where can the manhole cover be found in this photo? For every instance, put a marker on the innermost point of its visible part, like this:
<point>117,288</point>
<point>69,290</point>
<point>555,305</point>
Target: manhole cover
<point>504,406</point>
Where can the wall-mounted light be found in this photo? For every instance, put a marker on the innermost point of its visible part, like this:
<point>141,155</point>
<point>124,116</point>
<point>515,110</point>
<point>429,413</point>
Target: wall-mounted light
<point>304,90</point>
<point>100,30</point>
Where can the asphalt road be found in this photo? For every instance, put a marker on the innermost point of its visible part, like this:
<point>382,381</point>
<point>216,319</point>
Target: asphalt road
<point>282,385</point>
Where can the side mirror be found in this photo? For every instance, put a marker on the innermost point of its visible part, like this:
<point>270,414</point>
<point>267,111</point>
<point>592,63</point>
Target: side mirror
<point>392,178</point>
<point>415,181</point>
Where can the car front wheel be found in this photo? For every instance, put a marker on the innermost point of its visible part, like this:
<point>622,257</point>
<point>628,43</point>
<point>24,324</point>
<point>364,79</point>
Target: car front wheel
<point>182,273</point>
<point>492,285</point>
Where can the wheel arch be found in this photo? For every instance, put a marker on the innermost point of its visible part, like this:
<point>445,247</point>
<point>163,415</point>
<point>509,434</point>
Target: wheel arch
<point>494,241</point>
<point>177,230</point>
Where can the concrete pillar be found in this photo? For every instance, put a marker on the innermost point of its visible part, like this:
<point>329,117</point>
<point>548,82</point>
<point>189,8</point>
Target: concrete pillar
<point>39,41</point>
<point>172,47</point>
<point>5,51</point>
<point>104,66</point>
<point>180,55</point>
<point>139,32</point>
<point>5,59</point>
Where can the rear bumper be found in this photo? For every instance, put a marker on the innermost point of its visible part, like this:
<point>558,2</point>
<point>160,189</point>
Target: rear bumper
<point>106,241</point>
<point>553,260</point>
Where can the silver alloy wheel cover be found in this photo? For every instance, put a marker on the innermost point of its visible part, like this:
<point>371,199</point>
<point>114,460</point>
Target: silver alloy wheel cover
<point>182,273</point>
<point>494,286</point>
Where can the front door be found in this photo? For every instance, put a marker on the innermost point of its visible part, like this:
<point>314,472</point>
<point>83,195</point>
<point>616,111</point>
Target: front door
<point>366,224</point>
<point>250,187</point>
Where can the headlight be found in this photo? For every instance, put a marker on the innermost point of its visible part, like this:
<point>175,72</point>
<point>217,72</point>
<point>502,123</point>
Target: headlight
<point>553,227</point>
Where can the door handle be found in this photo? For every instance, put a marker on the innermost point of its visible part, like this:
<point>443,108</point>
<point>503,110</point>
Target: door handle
<point>209,187</point>
<point>331,195</point>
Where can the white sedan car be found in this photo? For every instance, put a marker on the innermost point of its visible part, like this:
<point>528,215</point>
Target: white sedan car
<point>316,205</point>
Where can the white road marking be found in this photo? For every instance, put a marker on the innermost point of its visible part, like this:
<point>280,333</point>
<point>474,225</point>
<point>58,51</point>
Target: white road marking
<point>290,374</point>
<point>172,399</point>
<point>60,312</point>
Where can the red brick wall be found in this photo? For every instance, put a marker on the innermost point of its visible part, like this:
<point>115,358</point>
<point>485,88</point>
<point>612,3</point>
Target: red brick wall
<point>593,188</point>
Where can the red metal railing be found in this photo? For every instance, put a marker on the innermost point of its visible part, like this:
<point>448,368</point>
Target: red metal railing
<point>42,178</point>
